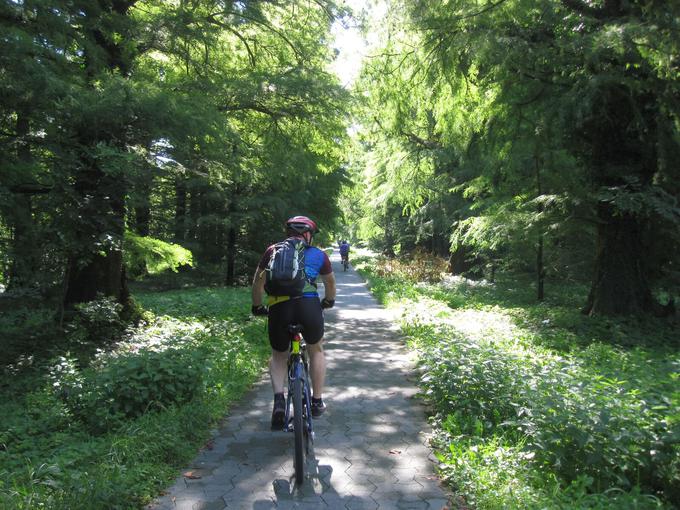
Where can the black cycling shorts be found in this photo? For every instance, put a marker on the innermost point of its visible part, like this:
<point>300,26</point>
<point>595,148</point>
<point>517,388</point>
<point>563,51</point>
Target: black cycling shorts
<point>306,311</point>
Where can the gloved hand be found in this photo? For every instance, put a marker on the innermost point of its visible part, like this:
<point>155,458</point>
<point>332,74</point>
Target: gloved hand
<point>259,310</point>
<point>327,303</point>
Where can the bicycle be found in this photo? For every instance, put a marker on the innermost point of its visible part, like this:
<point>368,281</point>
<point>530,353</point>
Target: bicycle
<point>299,396</point>
<point>345,262</point>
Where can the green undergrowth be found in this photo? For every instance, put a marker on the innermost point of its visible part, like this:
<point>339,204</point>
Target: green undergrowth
<point>535,405</point>
<point>109,431</point>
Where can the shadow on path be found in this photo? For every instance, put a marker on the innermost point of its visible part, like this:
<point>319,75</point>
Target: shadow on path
<point>370,450</point>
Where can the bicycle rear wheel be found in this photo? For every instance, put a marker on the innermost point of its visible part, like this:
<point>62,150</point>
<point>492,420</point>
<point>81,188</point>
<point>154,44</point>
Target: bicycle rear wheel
<point>298,424</point>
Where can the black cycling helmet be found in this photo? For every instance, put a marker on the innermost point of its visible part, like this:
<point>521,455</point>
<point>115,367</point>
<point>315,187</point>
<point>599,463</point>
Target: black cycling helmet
<point>301,224</point>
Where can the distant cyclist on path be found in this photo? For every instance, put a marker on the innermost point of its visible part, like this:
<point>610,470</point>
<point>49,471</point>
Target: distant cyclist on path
<point>344,251</point>
<point>299,305</point>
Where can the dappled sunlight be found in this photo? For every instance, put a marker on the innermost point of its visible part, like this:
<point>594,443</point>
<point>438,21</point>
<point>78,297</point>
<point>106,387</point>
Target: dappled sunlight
<point>366,314</point>
<point>367,446</point>
<point>360,286</point>
<point>454,281</point>
<point>506,404</point>
<point>370,446</point>
<point>163,332</point>
<point>471,323</point>
<point>482,324</point>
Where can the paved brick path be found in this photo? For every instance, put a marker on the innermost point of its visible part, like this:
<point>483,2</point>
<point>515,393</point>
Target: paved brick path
<point>370,450</point>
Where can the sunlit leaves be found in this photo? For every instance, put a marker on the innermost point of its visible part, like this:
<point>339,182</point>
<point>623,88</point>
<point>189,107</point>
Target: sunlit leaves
<point>537,406</point>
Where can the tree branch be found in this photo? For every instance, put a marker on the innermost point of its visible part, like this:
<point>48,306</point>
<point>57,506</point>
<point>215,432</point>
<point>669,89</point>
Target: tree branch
<point>251,56</point>
<point>257,107</point>
<point>426,143</point>
<point>266,26</point>
<point>581,8</point>
<point>610,9</point>
<point>30,189</point>
<point>490,6</point>
<point>532,99</point>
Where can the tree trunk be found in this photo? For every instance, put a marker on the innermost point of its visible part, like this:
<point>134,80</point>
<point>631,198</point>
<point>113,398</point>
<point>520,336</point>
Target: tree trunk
<point>143,220</point>
<point>621,145</point>
<point>194,213</point>
<point>619,283</point>
<point>143,207</point>
<point>204,230</point>
<point>96,265</point>
<point>231,256</point>
<point>25,259</point>
<point>180,209</point>
<point>459,260</point>
<point>540,270</point>
<point>389,240</point>
<point>103,274</point>
<point>232,238</point>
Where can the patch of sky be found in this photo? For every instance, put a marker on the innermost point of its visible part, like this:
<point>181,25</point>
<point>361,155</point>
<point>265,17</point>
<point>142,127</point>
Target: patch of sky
<point>349,42</point>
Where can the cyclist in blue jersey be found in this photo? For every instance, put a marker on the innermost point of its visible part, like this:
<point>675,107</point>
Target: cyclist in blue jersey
<point>344,251</point>
<point>305,309</point>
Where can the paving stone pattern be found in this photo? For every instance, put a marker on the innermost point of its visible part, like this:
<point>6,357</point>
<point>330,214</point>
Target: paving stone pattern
<point>370,450</point>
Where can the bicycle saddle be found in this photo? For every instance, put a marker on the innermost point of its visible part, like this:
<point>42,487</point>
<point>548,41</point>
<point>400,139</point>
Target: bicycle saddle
<point>294,329</point>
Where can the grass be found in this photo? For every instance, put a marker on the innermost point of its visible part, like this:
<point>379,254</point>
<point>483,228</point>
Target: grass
<point>110,431</point>
<point>535,405</point>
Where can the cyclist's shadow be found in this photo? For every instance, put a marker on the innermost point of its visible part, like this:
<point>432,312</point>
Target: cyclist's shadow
<point>317,483</point>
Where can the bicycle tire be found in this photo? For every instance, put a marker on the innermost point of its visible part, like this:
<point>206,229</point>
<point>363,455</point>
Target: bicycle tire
<point>307,407</point>
<point>298,431</point>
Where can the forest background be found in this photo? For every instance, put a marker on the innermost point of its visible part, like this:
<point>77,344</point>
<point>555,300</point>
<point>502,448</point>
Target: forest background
<point>153,145</point>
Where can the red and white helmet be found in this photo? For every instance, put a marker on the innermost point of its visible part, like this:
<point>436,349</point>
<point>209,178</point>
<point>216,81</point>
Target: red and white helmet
<point>301,224</point>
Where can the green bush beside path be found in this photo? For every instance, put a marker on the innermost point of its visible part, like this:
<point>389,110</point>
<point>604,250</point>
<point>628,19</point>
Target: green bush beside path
<point>110,430</point>
<point>535,405</point>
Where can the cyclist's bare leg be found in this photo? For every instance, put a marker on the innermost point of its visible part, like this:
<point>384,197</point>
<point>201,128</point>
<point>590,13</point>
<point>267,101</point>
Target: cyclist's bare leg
<point>317,362</point>
<point>278,366</point>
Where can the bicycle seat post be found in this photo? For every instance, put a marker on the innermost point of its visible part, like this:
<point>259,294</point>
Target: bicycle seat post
<point>295,333</point>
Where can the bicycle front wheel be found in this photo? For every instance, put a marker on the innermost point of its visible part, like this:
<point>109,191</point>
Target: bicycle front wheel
<point>298,424</point>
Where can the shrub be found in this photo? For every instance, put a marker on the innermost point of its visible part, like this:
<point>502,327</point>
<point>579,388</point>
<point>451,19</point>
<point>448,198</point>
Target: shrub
<point>419,267</point>
<point>26,331</point>
<point>68,441</point>
<point>97,322</point>
<point>575,422</point>
<point>475,387</point>
<point>578,423</point>
<point>128,386</point>
<point>537,406</point>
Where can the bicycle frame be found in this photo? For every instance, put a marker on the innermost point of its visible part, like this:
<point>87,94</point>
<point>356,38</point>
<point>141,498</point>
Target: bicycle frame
<point>299,399</point>
<point>298,365</point>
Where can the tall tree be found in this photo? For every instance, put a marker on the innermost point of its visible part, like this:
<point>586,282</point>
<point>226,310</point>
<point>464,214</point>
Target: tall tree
<point>181,120</point>
<point>586,91</point>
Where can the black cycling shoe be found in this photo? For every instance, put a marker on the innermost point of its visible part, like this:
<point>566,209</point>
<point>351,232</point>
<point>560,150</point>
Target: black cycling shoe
<point>318,407</point>
<point>279,411</point>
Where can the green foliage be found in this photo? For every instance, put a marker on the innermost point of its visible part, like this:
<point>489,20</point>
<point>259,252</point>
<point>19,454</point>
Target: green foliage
<point>570,419</point>
<point>112,432</point>
<point>542,407</point>
<point>495,129</point>
<point>493,474</point>
<point>98,322</point>
<point>107,394</point>
<point>146,255</point>
<point>162,122</point>
<point>26,331</point>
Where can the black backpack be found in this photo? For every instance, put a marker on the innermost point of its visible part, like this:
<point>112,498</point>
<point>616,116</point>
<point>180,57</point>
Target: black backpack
<point>285,273</point>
